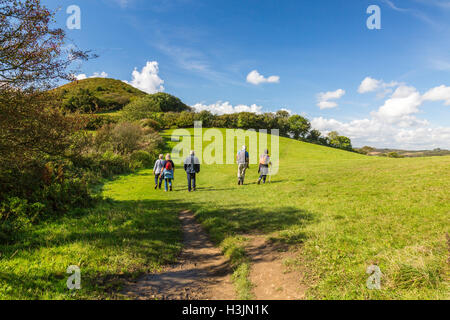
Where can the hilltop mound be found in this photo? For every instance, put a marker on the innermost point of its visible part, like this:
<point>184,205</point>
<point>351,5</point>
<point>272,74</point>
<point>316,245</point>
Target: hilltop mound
<point>97,94</point>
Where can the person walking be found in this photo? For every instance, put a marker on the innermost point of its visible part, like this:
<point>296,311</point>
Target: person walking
<point>264,164</point>
<point>192,167</point>
<point>157,171</point>
<point>168,173</point>
<point>243,159</point>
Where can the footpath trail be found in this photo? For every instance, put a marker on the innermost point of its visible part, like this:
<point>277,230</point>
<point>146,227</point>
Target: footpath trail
<point>202,273</point>
<point>270,274</point>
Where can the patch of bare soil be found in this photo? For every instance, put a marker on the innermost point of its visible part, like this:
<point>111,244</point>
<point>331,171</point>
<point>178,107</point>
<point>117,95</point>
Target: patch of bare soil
<point>270,273</point>
<point>202,272</point>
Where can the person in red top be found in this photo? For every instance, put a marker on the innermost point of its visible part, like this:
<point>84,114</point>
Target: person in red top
<point>169,168</point>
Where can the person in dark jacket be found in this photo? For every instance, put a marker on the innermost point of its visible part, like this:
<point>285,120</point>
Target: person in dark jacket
<point>192,167</point>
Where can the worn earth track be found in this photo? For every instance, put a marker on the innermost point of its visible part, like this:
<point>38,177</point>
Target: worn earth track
<point>202,272</point>
<point>270,273</point>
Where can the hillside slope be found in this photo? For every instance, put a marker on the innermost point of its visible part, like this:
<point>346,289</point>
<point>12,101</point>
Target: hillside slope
<point>339,211</point>
<point>344,211</point>
<point>106,94</point>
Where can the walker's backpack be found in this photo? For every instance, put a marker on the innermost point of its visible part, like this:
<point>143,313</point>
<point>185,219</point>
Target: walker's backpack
<point>264,160</point>
<point>169,165</point>
<point>242,157</point>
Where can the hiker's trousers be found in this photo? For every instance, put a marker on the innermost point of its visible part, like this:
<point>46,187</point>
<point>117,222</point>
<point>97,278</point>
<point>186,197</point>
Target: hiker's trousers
<point>191,181</point>
<point>242,167</point>
<point>158,178</point>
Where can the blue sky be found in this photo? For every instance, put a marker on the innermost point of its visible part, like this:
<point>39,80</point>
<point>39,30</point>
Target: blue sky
<point>309,57</point>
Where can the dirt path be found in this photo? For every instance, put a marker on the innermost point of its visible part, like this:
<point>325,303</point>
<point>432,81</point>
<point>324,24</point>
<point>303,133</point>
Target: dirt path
<point>202,272</point>
<point>269,273</point>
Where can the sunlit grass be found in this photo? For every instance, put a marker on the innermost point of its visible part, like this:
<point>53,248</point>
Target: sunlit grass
<point>343,210</point>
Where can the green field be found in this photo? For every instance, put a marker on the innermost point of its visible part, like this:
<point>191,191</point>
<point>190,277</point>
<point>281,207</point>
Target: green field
<point>344,211</point>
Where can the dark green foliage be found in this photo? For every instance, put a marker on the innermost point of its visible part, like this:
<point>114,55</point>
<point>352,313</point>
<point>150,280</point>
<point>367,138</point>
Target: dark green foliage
<point>146,106</point>
<point>95,122</point>
<point>142,159</point>
<point>82,100</point>
<point>341,142</point>
<point>314,135</point>
<point>16,215</point>
<point>299,126</point>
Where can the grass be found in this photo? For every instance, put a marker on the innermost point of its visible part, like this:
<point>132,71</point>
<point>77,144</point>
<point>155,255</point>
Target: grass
<point>117,239</point>
<point>344,211</point>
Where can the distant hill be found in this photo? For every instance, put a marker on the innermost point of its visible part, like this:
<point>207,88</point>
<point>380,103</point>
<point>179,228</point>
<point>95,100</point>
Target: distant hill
<point>399,153</point>
<point>97,94</point>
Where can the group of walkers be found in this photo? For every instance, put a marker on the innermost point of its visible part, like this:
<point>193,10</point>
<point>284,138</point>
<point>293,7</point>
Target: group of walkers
<point>164,169</point>
<point>243,161</point>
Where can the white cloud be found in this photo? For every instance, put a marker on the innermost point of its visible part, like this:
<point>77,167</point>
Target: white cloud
<point>147,79</point>
<point>220,108</point>
<point>370,85</point>
<point>394,124</point>
<point>404,102</point>
<point>83,76</point>
<point>377,133</point>
<point>324,97</point>
<point>441,93</point>
<point>255,78</point>
<point>102,74</point>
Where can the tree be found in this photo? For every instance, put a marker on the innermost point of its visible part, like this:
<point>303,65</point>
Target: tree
<point>205,117</point>
<point>31,52</point>
<point>341,142</point>
<point>299,126</point>
<point>83,101</point>
<point>32,127</point>
<point>333,138</point>
<point>185,119</point>
<point>247,120</point>
<point>282,122</point>
<point>314,135</point>
<point>345,143</point>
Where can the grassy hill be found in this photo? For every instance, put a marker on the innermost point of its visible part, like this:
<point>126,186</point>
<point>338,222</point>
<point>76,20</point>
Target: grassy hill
<point>343,210</point>
<point>106,94</point>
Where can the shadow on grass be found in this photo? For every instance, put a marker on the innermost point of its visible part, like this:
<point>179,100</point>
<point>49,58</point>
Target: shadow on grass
<point>115,237</point>
<point>229,221</point>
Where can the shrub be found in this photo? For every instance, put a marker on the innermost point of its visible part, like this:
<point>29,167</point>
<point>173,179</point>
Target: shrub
<point>95,122</point>
<point>144,107</point>
<point>126,137</point>
<point>60,197</point>
<point>150,123</point>
<point>142,159</point>
<point>16,215</point>
<point>111,163</point>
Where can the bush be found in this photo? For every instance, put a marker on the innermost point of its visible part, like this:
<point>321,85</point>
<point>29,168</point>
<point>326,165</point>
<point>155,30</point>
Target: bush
<point>150,123</point>
<point>111,164</point>
<point>16,215</point>
<point>95,122</point>
<point>142,159</point>
<point>126,137</point>
<point>144,107</point>
<point>60,197</point>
